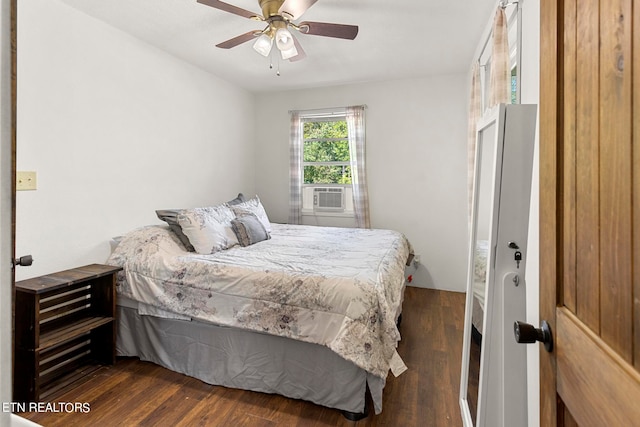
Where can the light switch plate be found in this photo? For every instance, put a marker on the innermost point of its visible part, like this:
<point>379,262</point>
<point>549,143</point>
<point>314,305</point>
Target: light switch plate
<point>25,181</point>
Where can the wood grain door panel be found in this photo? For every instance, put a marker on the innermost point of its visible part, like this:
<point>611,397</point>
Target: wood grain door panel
<point>596,384</point>
<point>590,211</point>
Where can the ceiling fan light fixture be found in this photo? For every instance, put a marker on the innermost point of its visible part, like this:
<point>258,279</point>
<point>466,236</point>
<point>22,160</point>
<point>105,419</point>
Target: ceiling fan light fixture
<point>263,45</point>
<point>289,53</point>
<point>284,39</point>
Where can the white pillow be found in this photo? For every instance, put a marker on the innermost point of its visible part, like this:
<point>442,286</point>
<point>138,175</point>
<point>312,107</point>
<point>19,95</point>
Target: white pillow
<point>255,207</point>
<point>208,229</point>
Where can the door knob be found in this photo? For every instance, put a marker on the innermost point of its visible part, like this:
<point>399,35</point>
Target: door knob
<point>528,334</point>
<point>24,261</point>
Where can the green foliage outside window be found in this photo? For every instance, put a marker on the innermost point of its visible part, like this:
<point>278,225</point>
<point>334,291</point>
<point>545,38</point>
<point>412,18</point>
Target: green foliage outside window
<point>326,141</point>
<point>327,175</point>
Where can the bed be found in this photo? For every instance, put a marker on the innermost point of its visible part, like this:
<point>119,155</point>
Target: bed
<point>479,288</point>
<point>309,313</point>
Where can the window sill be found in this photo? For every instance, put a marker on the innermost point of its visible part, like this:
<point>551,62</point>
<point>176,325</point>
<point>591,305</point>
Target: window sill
<point>346,214</point>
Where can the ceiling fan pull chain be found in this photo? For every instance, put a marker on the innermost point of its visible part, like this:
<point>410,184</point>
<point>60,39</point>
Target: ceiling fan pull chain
<point>271,61</point>
<point>277,62</point>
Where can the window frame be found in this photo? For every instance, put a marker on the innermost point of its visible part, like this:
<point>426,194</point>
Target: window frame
<point>332,116</point>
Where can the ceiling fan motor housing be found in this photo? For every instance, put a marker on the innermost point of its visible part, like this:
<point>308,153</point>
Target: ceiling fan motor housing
<point>270,7</point>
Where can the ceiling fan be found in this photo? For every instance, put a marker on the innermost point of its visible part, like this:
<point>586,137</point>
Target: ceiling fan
<point>279,16</point>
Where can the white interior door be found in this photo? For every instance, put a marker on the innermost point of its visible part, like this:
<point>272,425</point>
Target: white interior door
<point>6,198</point>
<point>7,211</point>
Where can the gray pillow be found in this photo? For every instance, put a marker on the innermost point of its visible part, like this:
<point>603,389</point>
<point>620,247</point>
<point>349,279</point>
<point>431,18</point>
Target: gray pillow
<point>237,200</point>
<point>249,229</point>
<point>170,216</point>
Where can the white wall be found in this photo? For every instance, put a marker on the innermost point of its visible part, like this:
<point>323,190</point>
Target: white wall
<point>416,163</point>
<point>115,129</point>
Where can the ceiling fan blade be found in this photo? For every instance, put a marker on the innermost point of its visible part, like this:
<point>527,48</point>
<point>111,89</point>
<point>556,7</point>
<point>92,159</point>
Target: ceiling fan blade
<point>295,8</point>
<point>301,53</point>
<point>340,31</point>
<point>242,38</point>
<point>230,8</point>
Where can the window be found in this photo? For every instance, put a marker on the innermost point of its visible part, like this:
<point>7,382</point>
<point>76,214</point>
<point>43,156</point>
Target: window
<point>326,152</point>
<point>326,164</point>
<point>327,173</point>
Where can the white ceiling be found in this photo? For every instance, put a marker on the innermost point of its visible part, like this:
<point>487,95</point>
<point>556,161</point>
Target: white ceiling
<point>397,38</point>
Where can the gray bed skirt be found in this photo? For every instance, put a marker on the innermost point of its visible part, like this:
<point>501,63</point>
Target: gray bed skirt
<point>247,360</point>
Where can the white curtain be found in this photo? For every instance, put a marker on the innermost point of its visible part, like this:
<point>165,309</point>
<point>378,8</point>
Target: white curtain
<point>295,169</point>
<point>475,112</point>
<point>356,131</point>
<point>500,82</point>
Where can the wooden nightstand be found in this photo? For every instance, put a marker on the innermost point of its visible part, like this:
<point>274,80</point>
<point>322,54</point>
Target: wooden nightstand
<point>64,329</point>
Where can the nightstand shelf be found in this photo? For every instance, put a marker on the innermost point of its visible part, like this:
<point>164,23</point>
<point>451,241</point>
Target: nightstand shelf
<point>64,329</point>
<point>71,330</point>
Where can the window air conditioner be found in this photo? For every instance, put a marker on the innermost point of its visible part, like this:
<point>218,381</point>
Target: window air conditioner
<point>329,199</point>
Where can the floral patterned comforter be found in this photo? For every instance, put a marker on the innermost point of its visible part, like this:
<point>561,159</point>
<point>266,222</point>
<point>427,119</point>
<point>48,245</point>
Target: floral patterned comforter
<point>480,271</point>
<point>338,287</point>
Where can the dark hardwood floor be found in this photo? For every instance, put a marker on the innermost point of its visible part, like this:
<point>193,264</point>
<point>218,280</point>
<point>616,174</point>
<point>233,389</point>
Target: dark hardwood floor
<point>133,393</point>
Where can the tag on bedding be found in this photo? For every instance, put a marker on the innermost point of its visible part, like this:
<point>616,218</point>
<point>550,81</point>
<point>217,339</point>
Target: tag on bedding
<point>397,365</point>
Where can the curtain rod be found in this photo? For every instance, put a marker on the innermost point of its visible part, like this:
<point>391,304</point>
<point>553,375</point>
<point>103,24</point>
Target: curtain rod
<point>328,110</point>
<point>504,3</point>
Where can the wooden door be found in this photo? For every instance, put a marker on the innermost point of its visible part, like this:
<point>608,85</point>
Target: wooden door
<point>590,211</point>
